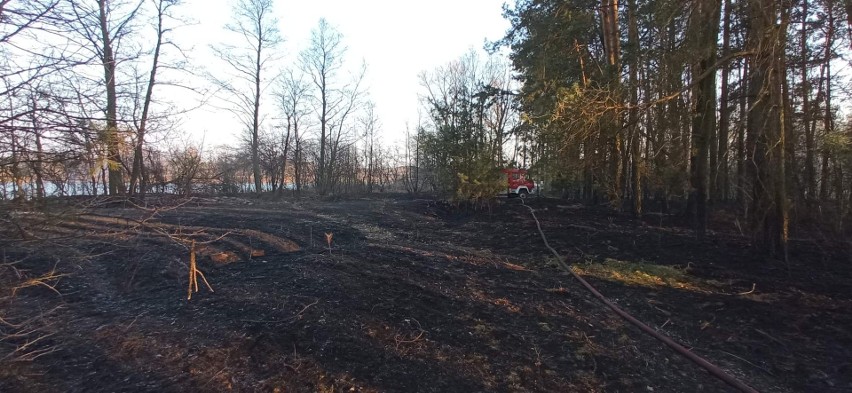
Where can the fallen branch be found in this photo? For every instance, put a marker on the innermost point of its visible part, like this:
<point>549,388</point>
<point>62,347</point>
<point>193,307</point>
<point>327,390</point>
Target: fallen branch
<point>27,337</point>
<point>42,280</point>
<point>767,335</point>
<point>299,314</point>
<point>652,303</point>
<point>737,357</point>
<point>413,340</point>
<point>753,286</point>
<point>296,316</point>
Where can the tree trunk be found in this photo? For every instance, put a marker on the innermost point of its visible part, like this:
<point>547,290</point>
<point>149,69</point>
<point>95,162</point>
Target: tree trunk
<point>848,5</point>
<point>138,172</point>
<point>810,163</point>
<point>297,162</point>
<point>284,159</point>
<point>17,178</point>
<point>766,125</point>
<point>791,180</point>
<point>321,171</point>
<point>828,119</point>
<point>370,171</point>
<point>633,115</point>
<point>742,136</point>
<point>116,178</point>
<point>255,125</point>
<point>705,23</point>
<point>39,161</point>
<point>610,123</point>
<point>721,181</point>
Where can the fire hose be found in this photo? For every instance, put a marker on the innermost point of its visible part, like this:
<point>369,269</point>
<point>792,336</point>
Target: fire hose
<point>680,349</point>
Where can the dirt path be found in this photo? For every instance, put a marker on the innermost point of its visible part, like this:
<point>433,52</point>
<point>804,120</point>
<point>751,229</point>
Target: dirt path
<point>417,296</point>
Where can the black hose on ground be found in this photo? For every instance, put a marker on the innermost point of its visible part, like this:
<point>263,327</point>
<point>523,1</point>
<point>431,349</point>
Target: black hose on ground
<point>680,349</point>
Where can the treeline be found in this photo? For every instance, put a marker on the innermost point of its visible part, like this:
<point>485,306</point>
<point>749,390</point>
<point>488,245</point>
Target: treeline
<point>712,102</point>
<point>88,106</point>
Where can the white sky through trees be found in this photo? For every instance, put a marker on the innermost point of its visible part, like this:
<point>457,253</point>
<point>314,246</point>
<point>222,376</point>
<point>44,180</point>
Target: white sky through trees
<point>396,39</point>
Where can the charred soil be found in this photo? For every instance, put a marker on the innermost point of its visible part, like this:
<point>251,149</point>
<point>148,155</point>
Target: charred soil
<point>411,295</point>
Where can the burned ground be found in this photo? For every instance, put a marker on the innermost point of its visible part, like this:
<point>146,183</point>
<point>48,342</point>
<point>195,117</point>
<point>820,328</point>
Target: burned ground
<point>413,295</point>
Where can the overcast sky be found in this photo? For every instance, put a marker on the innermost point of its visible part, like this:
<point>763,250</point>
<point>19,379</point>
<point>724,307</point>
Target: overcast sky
<point>397,40</point>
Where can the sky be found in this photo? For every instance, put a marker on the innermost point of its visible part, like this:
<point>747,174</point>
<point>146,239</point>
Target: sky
<point>397,40</point>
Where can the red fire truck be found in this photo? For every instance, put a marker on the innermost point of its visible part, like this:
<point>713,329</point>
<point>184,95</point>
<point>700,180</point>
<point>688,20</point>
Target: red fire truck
<point>518,182</point>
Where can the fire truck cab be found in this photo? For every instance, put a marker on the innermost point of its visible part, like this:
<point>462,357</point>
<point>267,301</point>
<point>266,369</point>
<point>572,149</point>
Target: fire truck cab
<point>518,183</point>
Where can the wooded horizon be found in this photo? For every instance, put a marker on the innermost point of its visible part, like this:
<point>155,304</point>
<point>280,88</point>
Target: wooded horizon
<point>721,104</point>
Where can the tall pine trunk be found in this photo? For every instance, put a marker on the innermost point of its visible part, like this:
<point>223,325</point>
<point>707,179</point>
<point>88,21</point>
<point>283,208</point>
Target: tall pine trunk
<point>767,125</point>
<point>721,180</point>
<point>810,162</point>
<point>828,119</point>
<point>610,122</point>
<point>633,115</point>
<point>704,24</point>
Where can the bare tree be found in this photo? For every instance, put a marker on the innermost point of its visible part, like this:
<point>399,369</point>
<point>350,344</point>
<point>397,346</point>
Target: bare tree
<point>137,174</point>
<point>26,20</point>
<point>104,28</point>
<point>333,101</point>
<point>370,123</point>
<point>256,26</point>
<point>20,16</point>
<point>293,98</point>
<point>273,153</point>
<point>411,178</point>
<point>28,60</point>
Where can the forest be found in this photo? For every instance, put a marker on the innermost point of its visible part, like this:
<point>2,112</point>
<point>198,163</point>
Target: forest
<point>692,159</point>
<point>637,104</point>
<point>605,102</point>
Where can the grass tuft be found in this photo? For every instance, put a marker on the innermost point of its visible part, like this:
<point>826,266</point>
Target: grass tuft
<point>641,274</point>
